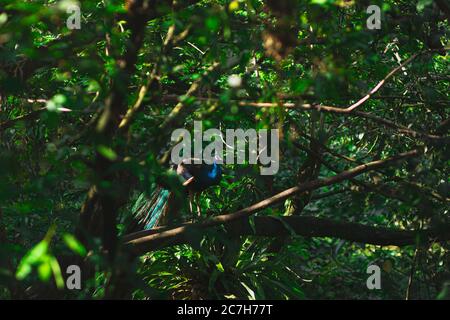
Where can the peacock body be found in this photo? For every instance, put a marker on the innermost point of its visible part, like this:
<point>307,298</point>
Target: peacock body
<point>149,212</point>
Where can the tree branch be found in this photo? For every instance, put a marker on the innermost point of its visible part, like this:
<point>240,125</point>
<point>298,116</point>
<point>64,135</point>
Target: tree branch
<point>165,235</point>
<point>99,210</point>
<point>330,109</point>
<point>270,226</point>
<point>380,84</point>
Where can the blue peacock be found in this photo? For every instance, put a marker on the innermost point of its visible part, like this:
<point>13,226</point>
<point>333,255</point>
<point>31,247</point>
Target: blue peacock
<point>149,212</point>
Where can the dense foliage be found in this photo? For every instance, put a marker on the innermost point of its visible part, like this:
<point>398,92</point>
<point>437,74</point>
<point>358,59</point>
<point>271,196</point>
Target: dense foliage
<point>86,117</point>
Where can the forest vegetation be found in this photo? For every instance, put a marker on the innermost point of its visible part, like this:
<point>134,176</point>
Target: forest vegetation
<point>88,108</point>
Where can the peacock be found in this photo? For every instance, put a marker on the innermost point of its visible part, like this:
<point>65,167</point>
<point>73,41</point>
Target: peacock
<point>149,212</point>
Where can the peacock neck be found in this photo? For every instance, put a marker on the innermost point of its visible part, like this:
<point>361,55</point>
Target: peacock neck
<point>214,173</point>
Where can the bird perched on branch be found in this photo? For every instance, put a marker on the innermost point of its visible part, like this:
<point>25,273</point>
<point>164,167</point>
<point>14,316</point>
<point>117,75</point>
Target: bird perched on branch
<point>150,212</point>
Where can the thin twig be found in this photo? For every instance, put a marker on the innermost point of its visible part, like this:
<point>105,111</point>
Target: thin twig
<point>411,275</point>
<point>380,84</point>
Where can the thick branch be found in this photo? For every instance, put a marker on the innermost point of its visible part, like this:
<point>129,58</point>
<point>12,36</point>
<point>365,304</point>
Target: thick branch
<point>269,226</point>
<point>383,189</point>
<point>166,235</point>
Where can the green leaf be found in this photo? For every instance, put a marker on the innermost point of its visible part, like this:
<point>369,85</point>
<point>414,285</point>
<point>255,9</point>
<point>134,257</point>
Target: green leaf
<point>250,291</point>
<point>319,2</point>
<point>421,4</point>
<point>74,244</point>
<point>299,86</point>
<point>213,23</point>
<point>57,273</point>
<point>35,254</point>
<point>107,152</point>
<point>31,258</point>
<point>59,99</point>
<point>219,267</point>
<point>3,18</point>
<point>45,271</point>
<point>23,271</point>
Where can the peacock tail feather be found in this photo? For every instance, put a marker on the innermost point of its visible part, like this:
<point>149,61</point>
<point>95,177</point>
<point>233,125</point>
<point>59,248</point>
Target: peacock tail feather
<point>149,210</point>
